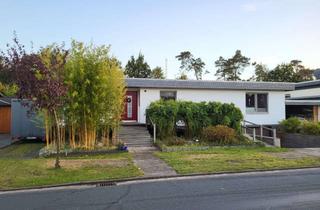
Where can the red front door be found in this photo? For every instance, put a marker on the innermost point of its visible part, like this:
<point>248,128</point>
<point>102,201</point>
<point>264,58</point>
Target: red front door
<point>130,106</point>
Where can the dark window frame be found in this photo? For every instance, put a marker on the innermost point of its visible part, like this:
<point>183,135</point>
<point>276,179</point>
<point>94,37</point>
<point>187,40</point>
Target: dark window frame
<point>255,108</point>
<point>162,92</point>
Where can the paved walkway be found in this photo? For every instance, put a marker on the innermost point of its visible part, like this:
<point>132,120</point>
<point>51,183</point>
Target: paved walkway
<point>308,151</point>
<point>151,165</point>
<point>5,140</point>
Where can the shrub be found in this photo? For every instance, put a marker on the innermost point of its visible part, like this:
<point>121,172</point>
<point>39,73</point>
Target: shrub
<point>163,114</point>
<point>194,116</point>
<point>310,128</point>
<point>291,125</point>
<point>224,114</point>
<point>294,125</point>
<point>219,134</point>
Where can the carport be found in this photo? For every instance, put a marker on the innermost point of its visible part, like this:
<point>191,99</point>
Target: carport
<point>308,109</point>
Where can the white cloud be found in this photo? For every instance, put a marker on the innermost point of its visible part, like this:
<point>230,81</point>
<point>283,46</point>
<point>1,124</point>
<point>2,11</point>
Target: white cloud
<point>249,7</point>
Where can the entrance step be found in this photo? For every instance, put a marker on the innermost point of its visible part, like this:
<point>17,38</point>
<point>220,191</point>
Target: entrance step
<point>135,136</point>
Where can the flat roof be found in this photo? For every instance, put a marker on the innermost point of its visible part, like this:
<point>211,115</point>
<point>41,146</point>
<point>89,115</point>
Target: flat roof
<point>207,84</point>
<point>303,102</point>
<point>308,84</point>
<point>315,97</point>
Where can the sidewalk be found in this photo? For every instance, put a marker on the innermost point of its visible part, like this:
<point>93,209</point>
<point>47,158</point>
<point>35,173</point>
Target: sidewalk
<point>151,165</point>
<point>5,140</point>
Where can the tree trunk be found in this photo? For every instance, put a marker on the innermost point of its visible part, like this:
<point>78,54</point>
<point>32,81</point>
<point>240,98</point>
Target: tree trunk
<point>46,116</point>
<point>57,164</point>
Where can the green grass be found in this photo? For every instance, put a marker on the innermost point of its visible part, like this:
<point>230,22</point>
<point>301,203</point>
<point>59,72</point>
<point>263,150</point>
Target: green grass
<point>20,168</point>
<point>233,159</point>
<point>23,150</point>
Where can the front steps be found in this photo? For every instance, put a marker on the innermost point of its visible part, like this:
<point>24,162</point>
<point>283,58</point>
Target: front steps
<point>135,136</point>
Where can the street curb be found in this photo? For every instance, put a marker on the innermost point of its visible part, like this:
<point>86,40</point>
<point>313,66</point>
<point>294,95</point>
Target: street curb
<point>114,182</point>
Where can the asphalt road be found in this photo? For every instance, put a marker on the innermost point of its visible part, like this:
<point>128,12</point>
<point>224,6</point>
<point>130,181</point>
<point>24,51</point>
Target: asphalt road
<point>276,190</point>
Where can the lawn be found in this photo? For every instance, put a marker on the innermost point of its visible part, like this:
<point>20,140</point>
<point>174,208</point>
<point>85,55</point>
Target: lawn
<point>236,159</point>
<point>21,168</point>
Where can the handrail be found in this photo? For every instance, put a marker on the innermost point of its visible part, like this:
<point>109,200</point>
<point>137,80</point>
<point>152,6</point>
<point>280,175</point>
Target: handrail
<point>154,130</point>
<point>249,122</point>
<point>270,129</point>
<point>274,132</point>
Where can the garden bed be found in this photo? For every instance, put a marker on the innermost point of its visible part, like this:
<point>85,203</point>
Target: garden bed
<point>51,152</point>
<point>296,140</point>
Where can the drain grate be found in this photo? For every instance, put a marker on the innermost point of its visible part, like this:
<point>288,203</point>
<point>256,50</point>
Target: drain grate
<point>105,184</point>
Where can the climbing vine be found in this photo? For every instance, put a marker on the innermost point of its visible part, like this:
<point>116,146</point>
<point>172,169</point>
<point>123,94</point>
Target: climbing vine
<point>196,116</point>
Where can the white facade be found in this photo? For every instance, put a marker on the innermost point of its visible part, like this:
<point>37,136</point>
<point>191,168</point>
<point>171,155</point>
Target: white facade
<point>276,102</point>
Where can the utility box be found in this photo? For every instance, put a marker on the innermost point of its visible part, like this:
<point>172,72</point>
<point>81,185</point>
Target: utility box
<point>25,124</point>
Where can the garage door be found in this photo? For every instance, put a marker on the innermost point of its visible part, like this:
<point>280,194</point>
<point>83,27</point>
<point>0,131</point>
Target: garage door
<point>5,119</point>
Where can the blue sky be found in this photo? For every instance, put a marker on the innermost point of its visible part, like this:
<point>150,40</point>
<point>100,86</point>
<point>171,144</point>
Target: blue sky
<point>269,31</point>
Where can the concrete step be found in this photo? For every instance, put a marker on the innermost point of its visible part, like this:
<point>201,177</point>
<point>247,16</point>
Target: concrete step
<point>135,136</point>
<point>133,144</point>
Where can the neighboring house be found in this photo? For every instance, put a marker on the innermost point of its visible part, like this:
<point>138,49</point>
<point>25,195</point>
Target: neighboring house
<point>5,115</point>
<point>25,124</point>
<point>16,120</point>
<point>260,102</point>
<point>304,101</point>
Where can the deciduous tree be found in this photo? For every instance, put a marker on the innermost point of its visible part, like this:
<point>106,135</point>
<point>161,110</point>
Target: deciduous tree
<point>39,79</point>
<point>285,72</point>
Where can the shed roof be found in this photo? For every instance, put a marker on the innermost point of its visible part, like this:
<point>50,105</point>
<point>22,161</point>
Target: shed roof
<point>207,84</point>
<point>5,101</point>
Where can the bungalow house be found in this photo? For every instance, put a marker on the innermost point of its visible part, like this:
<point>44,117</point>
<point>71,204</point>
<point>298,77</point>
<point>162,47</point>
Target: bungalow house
<point>260,102</point>
<point>304,101</point>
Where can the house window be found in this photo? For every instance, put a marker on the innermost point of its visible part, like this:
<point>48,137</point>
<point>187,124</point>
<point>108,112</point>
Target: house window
<point>256,102</point>
<point>168,95</point>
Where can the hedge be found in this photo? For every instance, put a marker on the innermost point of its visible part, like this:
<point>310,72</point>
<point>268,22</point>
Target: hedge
<point>196,116</point>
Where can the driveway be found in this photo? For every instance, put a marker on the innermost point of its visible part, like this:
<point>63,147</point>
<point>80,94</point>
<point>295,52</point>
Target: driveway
<point>309,151</point>
<point>5,140</point>
<point>294,153</point>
